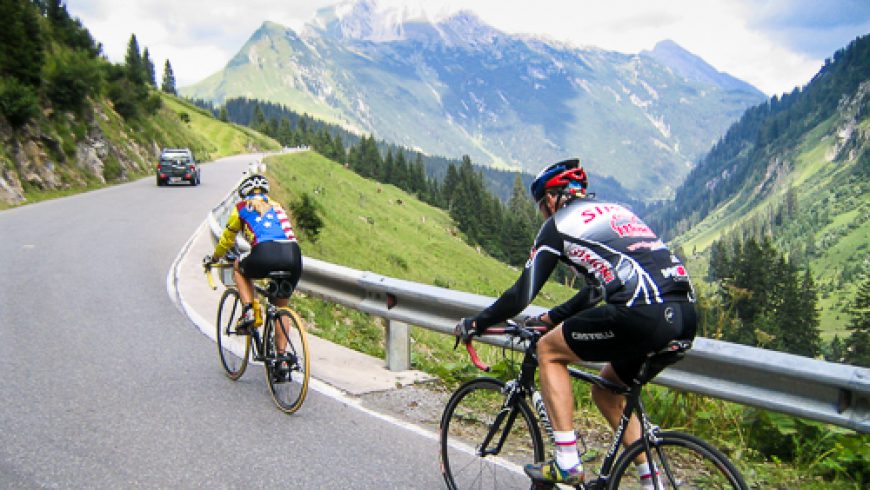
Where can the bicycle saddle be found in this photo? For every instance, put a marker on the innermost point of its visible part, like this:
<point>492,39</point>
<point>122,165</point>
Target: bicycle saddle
<point>667,355</point>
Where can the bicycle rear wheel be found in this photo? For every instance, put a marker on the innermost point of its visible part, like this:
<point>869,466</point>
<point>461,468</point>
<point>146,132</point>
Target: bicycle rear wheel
<point>287,374</point>
<point>485,445</point>
<point>683,461</point>
<point>234,349</point>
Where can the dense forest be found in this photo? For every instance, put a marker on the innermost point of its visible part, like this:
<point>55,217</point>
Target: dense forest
<point>50,61</point>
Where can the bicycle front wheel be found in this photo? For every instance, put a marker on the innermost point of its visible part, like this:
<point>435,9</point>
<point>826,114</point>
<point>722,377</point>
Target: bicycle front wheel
<point>233,349</point>
<point>682,461</point>
<point>287,373</point>
<point>484,444</point>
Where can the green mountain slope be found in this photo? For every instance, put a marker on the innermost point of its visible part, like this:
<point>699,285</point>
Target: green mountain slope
<point>795,169</point>
<point>377,227</point>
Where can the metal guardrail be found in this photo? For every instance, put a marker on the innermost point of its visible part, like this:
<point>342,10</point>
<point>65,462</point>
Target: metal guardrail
<point>799,386</point>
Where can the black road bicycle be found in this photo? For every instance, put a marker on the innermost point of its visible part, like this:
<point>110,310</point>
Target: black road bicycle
<point>287,374</point>
<point>490,428</point>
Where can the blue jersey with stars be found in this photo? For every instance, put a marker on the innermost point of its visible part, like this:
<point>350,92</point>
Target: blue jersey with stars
<point>271,226</point>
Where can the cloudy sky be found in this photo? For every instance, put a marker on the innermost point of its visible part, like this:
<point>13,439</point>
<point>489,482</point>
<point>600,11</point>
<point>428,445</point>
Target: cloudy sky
<point>775,45</point>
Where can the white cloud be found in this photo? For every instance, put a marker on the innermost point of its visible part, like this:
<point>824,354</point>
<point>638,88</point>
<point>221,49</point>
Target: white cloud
<point>199,37</point>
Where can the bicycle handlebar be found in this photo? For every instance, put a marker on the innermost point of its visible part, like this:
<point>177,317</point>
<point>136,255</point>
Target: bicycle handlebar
<point>208,266</point>
<point>509,327</point>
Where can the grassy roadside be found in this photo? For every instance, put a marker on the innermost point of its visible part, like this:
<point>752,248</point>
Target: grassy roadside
<point>379,228</point>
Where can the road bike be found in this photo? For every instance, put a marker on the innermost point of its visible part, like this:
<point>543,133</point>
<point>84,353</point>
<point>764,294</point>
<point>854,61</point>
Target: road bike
<point>287,374</point>
<point>490,428</point>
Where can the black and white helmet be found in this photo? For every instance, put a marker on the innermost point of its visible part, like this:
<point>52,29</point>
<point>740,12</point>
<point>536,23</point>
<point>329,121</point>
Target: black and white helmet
<point>252,183</point>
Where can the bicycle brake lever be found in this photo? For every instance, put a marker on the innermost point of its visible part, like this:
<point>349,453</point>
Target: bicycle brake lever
<point>461,333</point>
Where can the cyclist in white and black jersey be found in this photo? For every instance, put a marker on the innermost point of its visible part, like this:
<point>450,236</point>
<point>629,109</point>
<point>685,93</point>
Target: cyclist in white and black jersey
<point>647,296</point>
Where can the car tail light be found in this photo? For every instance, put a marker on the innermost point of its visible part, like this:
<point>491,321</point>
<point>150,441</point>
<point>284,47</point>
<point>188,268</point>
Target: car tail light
<point>162,176</point>
<point>186,176</point>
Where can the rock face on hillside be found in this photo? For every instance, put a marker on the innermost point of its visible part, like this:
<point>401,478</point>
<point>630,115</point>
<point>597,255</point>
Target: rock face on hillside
<point>850,137</point>
<point>40,159</point>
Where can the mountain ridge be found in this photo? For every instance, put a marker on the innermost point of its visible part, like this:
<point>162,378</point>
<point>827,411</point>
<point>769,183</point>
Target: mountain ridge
<point>513,102</point>
<point>794,169</point>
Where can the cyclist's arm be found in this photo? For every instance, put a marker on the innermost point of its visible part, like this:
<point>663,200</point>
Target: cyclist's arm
<point>587,297</point>
<point>228,237</point>
<point>543,258</point>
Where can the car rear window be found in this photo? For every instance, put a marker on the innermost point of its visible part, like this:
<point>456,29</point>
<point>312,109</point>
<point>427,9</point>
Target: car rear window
<point>174,159</point>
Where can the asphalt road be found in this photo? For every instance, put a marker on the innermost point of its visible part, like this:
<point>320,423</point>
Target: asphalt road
<point>106,384</point>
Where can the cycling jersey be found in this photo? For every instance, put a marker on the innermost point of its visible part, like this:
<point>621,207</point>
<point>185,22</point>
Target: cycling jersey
<point>623,261</point>
<point>272,226</point>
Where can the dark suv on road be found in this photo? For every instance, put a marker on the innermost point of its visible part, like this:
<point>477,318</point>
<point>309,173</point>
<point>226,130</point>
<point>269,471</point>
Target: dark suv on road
<point>177,165</point>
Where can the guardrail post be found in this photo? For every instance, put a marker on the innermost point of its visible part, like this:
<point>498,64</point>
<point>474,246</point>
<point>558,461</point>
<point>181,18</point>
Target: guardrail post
<point>398,346</point>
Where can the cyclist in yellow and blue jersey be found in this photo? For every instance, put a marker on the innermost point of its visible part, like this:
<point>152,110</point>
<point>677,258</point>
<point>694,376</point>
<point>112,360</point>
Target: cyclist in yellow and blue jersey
<point>265,225</point>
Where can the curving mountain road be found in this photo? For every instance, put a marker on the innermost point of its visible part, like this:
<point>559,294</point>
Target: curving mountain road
<point>106,384</point>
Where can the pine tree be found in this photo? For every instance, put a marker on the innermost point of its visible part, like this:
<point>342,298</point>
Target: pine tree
<point>21,43</point>
<point>388,170</point>
<point>418,176</point>
<point>858,342</point>
<point>719,266</point>
<point>837,350</point>
<point>794,310</point>
<point>258,120</point>
<point>401,175</point>
<point>338,151</point>
<point>809,342</point>
<point>135,69</point>
<point>66,30</point>
<point>168,85</point>
<point>520,224</point>
<point>148,66</point>
<point>306,216</point>
<point>448,189</point>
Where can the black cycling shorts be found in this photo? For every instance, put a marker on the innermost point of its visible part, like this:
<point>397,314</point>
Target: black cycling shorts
<point>273,256</point>
<point>625,335</point>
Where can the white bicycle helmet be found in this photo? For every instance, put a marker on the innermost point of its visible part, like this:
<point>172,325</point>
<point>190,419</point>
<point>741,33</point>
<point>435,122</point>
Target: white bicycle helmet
<point>252,183</point>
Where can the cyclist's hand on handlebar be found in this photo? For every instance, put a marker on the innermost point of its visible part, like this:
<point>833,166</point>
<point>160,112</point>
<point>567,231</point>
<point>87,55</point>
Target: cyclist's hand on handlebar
<point>208,261</point>
<point>537,321</point>
<point>464,331</point>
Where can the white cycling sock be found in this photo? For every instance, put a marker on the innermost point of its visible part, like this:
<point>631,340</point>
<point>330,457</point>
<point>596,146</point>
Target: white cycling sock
<point>645,476</point>
<point>566,449</point>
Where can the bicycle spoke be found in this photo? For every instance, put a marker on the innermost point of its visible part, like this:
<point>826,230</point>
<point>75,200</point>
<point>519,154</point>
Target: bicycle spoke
<point>474,417</point>
<point>287,373</point>
<point>684,462</point>
<point>233,349</point>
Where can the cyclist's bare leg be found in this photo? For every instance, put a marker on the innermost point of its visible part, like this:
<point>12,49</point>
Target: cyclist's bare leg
<point>281,333</point>
<point>246,289</point>
<point>612,405</point>
<point>554,355</point>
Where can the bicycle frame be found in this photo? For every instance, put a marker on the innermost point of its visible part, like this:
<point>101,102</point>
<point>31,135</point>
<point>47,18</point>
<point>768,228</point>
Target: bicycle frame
<point>259,290</point>
<point>523,386</point>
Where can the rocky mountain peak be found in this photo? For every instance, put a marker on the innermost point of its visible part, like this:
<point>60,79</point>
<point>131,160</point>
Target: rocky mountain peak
<point>379,21</point>
<point>693,67</point>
